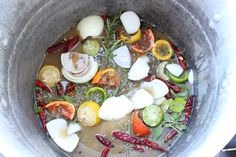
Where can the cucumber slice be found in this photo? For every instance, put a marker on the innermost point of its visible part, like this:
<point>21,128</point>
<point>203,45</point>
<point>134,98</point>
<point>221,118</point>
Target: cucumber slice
<point>177,105</point>
<point>152,115</point>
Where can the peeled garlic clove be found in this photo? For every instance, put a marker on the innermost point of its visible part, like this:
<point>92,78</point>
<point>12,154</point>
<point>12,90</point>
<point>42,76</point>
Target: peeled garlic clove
<point>190,77</point>
<point>115,108</point>
<point>175,69</point>
<point>90,26</point>
<point>122,57</point>
<point>130,21</point>
<point>139,70</point>
<point>73,128</point>
<point>141,99</point>
<point>57,129</point>
<point>156,88</point>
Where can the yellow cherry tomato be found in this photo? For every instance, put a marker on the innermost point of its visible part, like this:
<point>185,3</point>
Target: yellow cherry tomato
<point>131,39</point>
<point>162,50</point>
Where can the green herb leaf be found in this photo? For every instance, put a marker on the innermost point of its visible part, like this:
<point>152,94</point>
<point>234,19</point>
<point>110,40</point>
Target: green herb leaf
<point>36,109</point>
<point>35,88</point>
<point>157,132</point>
<point>68,99</point>
<point>48,98</point>
<point>180,127</point>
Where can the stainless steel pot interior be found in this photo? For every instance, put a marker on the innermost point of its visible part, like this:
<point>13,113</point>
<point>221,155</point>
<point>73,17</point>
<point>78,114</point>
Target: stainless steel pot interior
<point>204,28</point>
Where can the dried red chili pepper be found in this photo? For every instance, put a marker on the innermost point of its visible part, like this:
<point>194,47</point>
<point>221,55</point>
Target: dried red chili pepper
<point>126,137</point>
<point>172,133</point>
<point>104,17</point>
<point>180,57</point>
<point>70,89</point>
<point>168,95</point>
<point>188,109</point>
<point>150,77</point>
<point>172,86</point>
<point>59,88</point>
<point>41,85</point>
<point>105,152</point>
<point>138,148</point>
<point>153,145</point>
<point>64,46</point>
<point>42,118</point>
<point>103,140</point>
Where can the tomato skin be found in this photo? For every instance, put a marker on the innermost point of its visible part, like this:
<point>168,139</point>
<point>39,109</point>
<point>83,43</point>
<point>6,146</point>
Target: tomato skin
<point>139,128</point>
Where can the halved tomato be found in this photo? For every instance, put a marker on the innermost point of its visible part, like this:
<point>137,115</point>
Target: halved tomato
<point>145,43</point>
<point>106,77</point>
<point>64,108</point>
<point>139,128</point>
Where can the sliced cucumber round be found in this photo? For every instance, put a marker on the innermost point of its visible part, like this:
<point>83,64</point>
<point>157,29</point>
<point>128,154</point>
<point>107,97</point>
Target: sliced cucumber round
<point>152,115</point>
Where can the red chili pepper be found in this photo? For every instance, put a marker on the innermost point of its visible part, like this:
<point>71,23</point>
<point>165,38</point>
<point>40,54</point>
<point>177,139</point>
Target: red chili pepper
<point>150,77</point>
<point>180,57</point>
<point>172,133</point>
<point>42,118</point>
<point>126,137</point>
<point>103,140</point>
<point>138,148</point>
<point>172,86</point>
<point>41,85</point>
<point>168,95</point>
<point>188,109</point>
<point>153,145</point>
<point>105,152</point>
<point>64,46</point>
<point>104,17</point>
<point>70,89</point>
<point>59,88</point>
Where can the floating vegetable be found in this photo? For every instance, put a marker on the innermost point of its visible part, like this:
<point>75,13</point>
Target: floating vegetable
<point>59,88</point>
<point>84,77</point>
<point>161,71</point>
<point>50,75</point>
<point>156,88</point>
<point>139,128</point>
<point>175,69</point>
<point>145,43</point>
<point>180,79</point>
<point>87,113</point>
<point>91,47</point>
<point>130,21</point>
<point>105,152</point>
<point>42,86</point>
<point>73,128</point>
<point>122,57</point>
<point>152,115</point>
<point>57,129</point>
<point>153,145</point>
<point>107,77</point>
<point>184,94</point>
<point>42,118</point>
<point>64,108</point>
<point>170,135</point>
<point>138,148</point>
<point>141,98</point>
<point>115,108</point>
<point>188,109</point>
<point>139,70</point>
<point>123,136</point>
<point>190,77</point>
<point>132,38</point>
<point>177,105</point>
<point>172,86</point>
<point>181,58</point>
<point>103,140</point>
<point>90,26</point>
<point>162,50</point>
<point>98,90</point>
<point>70,89</point>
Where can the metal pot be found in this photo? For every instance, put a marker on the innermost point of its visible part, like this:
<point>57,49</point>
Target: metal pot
<point>204,28</point>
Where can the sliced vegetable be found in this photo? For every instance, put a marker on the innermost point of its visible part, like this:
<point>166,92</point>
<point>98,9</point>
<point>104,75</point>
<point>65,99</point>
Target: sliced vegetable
<point>130,21</point>
<point>115,108</point>
<point>156,88</point>
<point>130,39</point>
<point>122,57</point>
<point>141,98</point>
<point>87,113</point>
<point>165,105</point>
<point>107,77</point>
<point>50,75</point>
<point>98,90</point>
<point>161,71</point>
<point>139,128</point>
<point>162,50</point>
<point>73,128</point>
<point>64,108</point>
<point>91,47</point>
<point>145,43</point>
<point>139,70</point>
<point>180,79</point>
<point>177,105</point>
<point>57,129</point>
<point>152,115</point>
<point>90,26</point>
<point>190,77</point>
